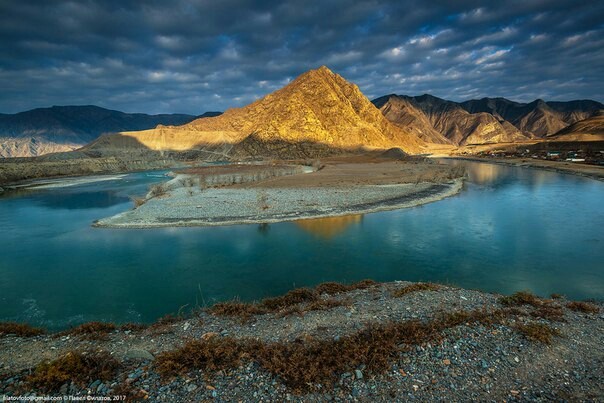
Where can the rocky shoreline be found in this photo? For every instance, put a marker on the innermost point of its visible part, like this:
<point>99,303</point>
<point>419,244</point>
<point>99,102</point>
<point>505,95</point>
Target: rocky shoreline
<point>362,342</point>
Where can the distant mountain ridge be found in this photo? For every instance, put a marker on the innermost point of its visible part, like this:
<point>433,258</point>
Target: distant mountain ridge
<point>539,118</point>
<point>318,113</point>
<point>590,129</point>
<point>448,119</point>
<point>487,120</point>
<point>64,128</point>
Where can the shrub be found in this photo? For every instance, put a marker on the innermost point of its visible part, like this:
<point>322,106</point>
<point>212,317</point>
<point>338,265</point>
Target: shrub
<point>80,368</point>
<point>262,200</point>
<point>549,312</point>
<point>293,297</point>
<point>521,298</point>
<point>332,288</point>
<point>157,191</point>
<point>538,332</point>
<point>133,327</point>
<point>585,307</point>
<point>138,201</point>
<point>416,287</point>
<point>214,353</point>
<point>236,309</point>
<point>19,329</point>
<point>92,330</point>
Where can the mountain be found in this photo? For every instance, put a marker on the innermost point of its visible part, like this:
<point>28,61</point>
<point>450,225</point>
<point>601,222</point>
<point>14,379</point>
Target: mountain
<point>317,113</point>
<point>538,118</point>
<point>590,129</point>
<point>403,112</point>
<point>64,128</point>
<point>435,116</point>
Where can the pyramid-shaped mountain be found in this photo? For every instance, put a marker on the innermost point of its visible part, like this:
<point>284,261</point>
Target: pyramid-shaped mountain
<point>318,112</point>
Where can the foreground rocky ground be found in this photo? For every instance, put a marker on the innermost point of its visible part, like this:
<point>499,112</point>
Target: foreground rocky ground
<point>365,342</point>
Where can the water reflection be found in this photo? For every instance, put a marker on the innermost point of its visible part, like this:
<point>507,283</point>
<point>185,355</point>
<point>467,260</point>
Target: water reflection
<point>75,201</point>
<point>497,175</point>
<point>329,227</point>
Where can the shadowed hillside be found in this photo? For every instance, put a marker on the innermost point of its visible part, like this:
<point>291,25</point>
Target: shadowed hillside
<point>64,128</point>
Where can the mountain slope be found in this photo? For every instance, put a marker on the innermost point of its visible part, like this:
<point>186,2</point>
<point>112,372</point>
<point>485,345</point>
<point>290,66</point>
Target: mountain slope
<point>590,129</point>
<point>63,128</point>
<point>318,112</point>
<point>403,112</point>
<point>450,120</point>
<point>538,118</point>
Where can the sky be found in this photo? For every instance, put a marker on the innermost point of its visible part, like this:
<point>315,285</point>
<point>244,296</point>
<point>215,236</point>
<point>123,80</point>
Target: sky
<point>198,55</point>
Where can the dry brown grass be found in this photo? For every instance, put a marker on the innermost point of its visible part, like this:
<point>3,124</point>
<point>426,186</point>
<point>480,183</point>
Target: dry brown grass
<point>19,329</point>
<point>332,288</point>
<point>585,307</point>
<point>549,312</point>
<point>309,362</point>
<point>164,324</point>
<point>416,287</point>
<point>214,353</point>
<point>76,367</point>
<point>91,330</point>
<point>293,297</point>
<point>538,332</point>
<point>289,303</point>
<point>237,309</point>
<point>521,298</point>
<point>133,327</point>
<point>138,201</point>
<point>319,305</point>
<point>157,190</point>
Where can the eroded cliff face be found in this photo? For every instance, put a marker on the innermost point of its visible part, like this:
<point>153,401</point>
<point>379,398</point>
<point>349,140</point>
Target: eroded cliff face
<point>318,112</point>
<point>437,118</point>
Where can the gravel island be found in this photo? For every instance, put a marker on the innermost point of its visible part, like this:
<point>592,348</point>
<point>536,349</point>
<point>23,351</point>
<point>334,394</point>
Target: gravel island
<point>266,194</point>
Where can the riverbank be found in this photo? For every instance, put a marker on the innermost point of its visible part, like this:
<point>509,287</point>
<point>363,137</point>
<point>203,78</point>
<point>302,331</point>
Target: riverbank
<point>367,341</point>
<point>252,194</point>
<point>573,168</point>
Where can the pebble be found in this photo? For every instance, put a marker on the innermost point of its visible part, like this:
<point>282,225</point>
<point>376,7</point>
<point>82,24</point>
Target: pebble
<point>136,354</point>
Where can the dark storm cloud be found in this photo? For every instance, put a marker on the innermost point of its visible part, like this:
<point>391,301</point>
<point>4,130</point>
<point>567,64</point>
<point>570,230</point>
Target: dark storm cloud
<point>194,56</point>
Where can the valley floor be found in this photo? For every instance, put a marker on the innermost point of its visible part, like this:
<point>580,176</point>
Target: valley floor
<point>361,342</point>
<point>340,186</point>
